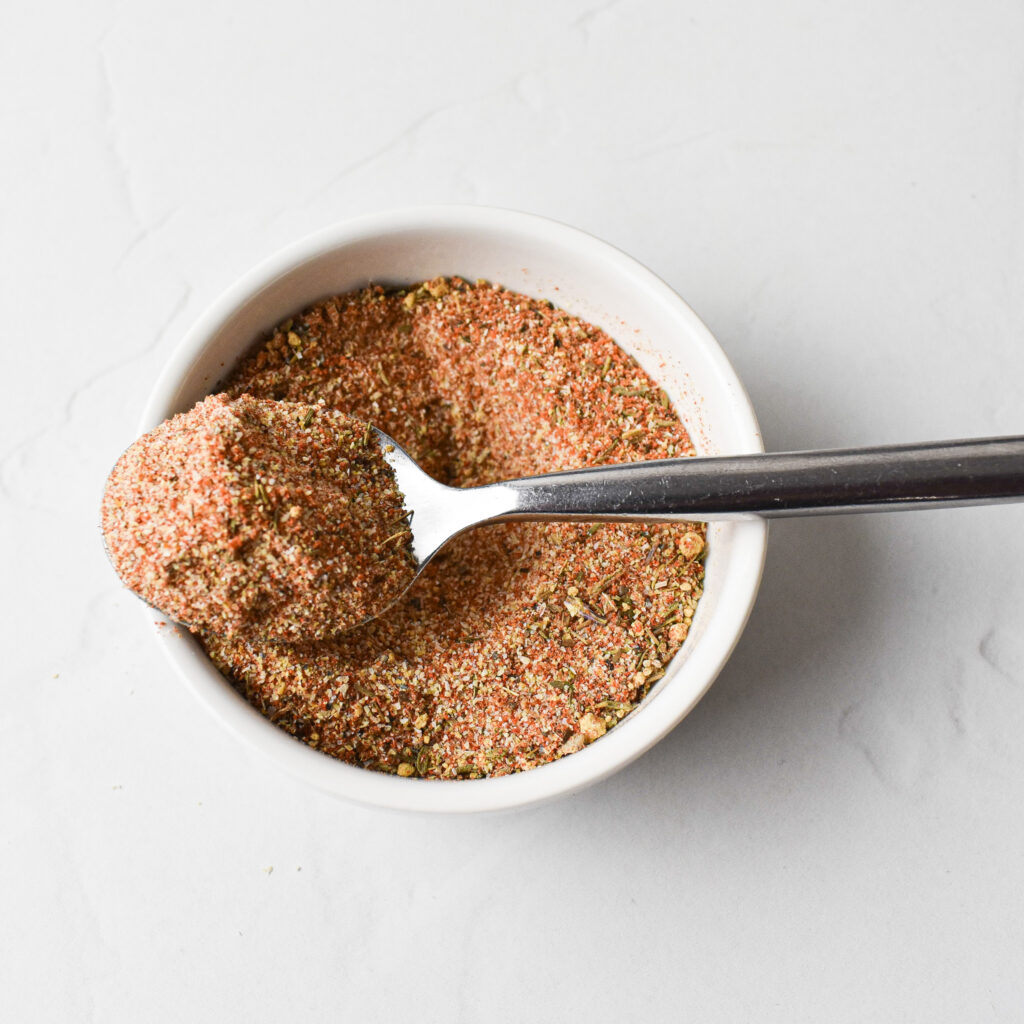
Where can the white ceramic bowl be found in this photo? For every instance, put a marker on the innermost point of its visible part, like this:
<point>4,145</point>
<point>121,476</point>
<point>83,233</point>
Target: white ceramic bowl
<point>589,278</point>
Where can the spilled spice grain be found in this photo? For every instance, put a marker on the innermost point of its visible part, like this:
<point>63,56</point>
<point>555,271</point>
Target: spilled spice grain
<point>522,642</point>
<point>258,520</point>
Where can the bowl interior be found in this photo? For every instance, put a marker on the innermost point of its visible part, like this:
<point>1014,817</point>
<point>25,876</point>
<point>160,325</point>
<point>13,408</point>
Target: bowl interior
<point>588,278</point>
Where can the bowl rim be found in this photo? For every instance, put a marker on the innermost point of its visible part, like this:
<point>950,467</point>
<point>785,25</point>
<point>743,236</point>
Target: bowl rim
<point>621,745</point>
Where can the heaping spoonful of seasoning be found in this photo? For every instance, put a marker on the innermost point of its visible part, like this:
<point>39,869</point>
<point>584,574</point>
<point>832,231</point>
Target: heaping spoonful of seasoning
<point>279,521</point>
<point>259,520</point>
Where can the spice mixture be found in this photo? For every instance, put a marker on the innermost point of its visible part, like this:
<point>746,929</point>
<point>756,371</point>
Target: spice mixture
<point>521,642</point>
<point>259,520</point>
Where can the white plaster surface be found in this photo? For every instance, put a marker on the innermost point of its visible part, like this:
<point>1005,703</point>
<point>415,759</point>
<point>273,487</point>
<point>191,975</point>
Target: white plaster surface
<point>836,833</point>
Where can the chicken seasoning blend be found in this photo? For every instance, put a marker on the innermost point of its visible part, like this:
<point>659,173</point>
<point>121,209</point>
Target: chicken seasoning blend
<point>521,642</point>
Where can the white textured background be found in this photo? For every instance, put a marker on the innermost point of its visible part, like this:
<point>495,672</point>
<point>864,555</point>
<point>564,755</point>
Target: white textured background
<point>835,834</point>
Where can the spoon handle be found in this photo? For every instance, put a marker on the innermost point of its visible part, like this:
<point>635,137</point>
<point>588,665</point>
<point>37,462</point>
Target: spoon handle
<point>908,476</point>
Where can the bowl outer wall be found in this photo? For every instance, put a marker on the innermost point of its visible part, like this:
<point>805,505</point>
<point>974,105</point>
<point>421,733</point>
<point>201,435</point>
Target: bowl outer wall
<point>589,278</point>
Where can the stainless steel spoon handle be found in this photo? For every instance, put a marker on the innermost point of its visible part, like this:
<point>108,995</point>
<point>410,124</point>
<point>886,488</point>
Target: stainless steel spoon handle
<point>908,476</point>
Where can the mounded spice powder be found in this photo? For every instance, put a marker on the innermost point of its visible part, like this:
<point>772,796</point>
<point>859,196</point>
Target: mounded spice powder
<point>521,642</point>
<point>259,520</point>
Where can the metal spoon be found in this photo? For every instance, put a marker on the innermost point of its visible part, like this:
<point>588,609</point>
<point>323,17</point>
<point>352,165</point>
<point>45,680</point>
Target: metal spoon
<point>893,478</point>
<point>898,477</point>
